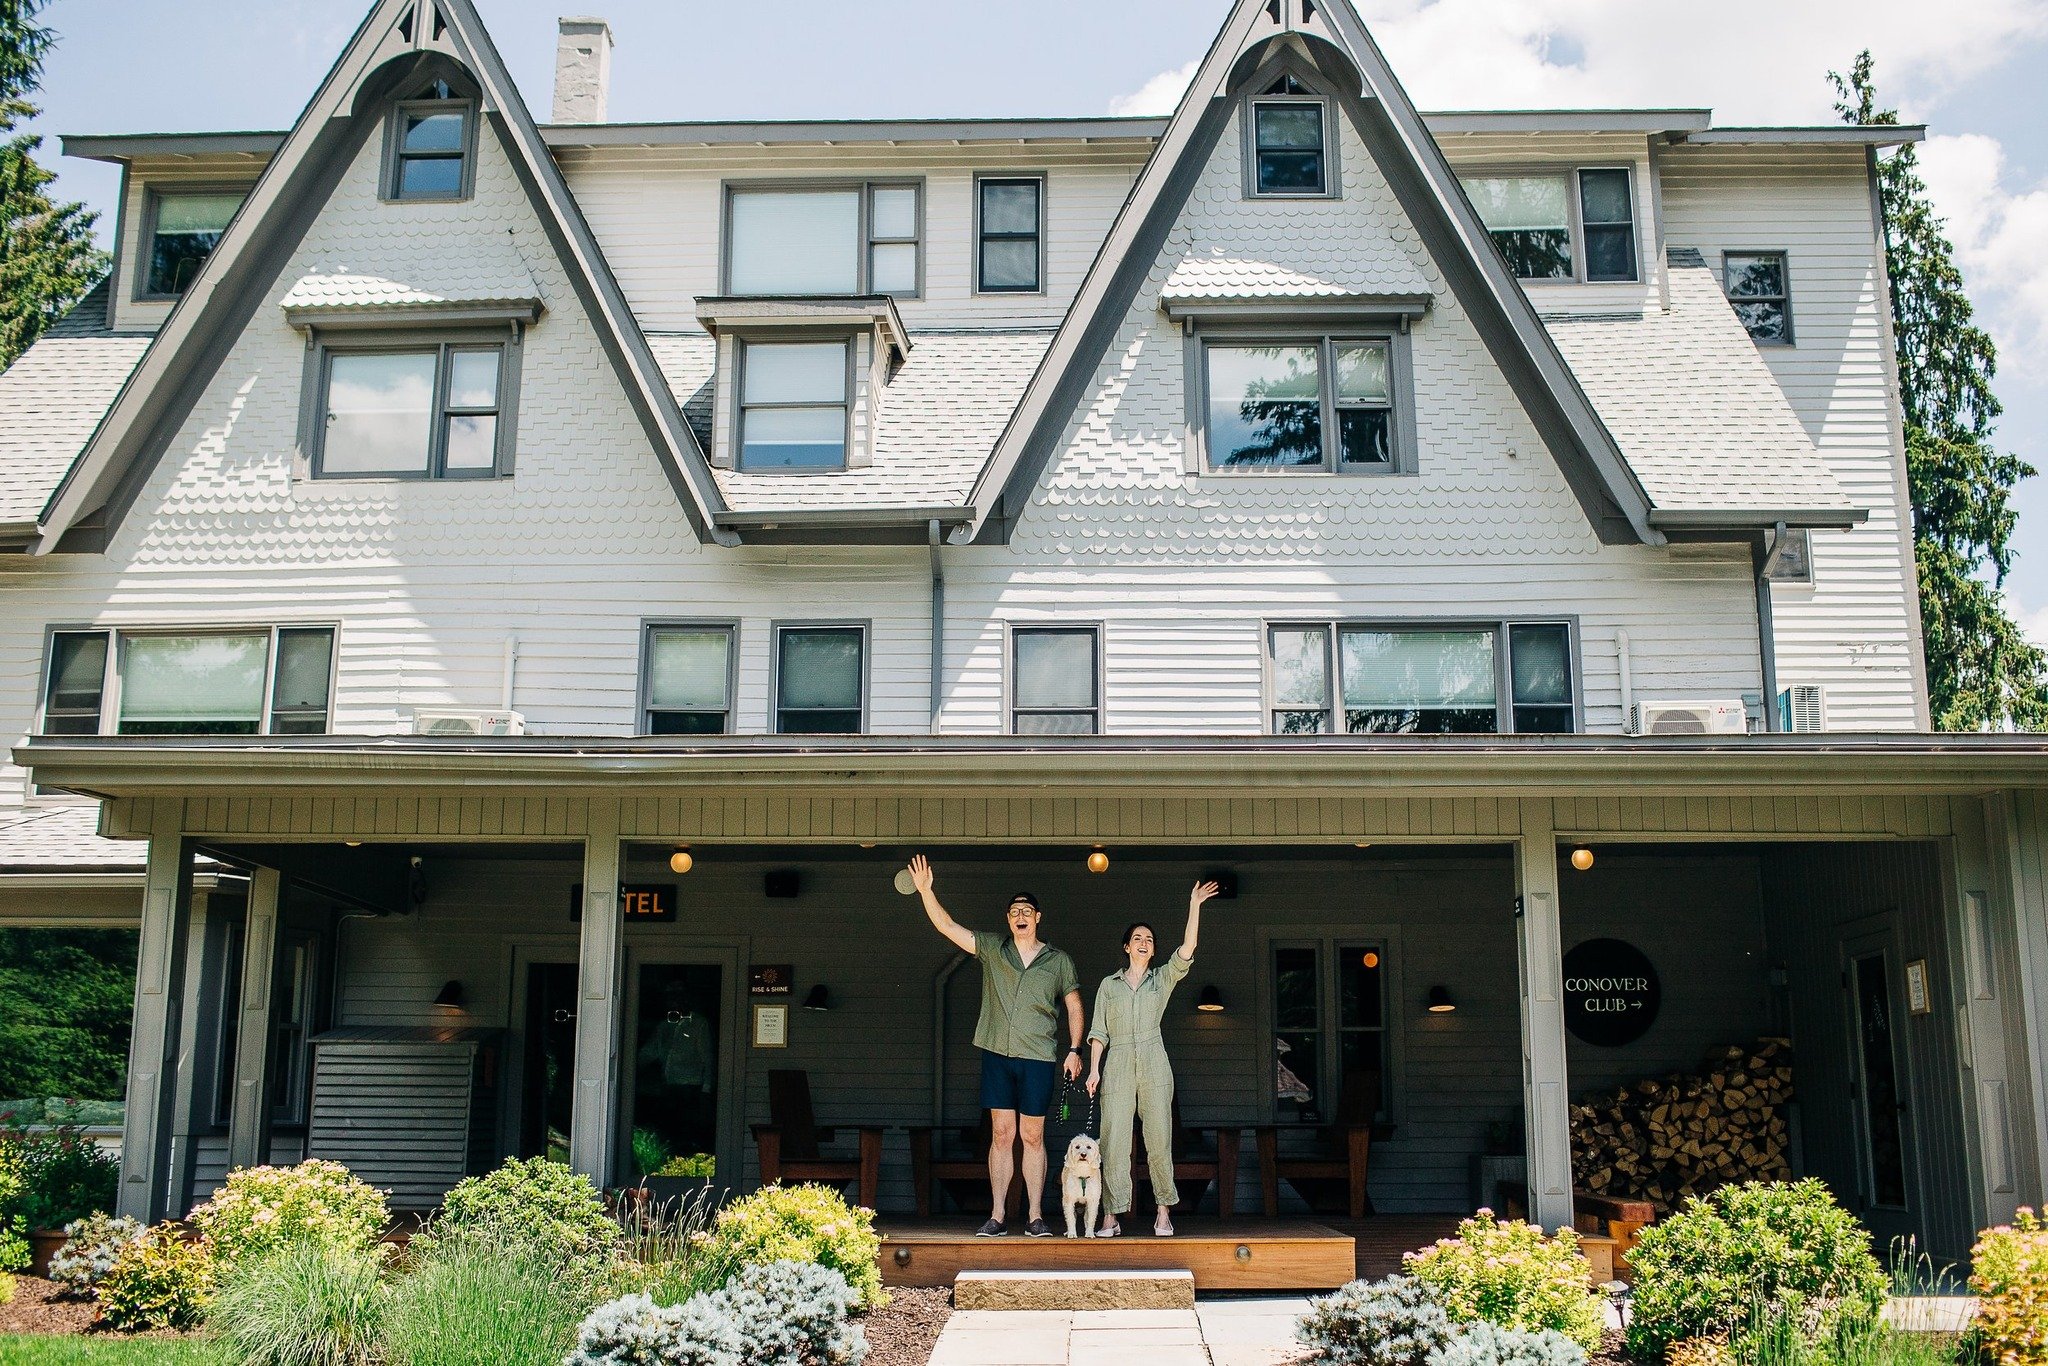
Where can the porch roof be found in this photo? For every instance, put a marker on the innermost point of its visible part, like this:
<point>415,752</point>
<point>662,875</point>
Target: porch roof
<point>1583,765</point>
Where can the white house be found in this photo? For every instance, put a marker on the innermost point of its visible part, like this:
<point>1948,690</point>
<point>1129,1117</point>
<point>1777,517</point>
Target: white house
<point>439,520</point>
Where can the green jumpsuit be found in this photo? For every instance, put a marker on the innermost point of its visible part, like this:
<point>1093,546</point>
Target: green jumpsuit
<point>1137,1080</point>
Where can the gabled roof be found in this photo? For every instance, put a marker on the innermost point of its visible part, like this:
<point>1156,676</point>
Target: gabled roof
<point>1699,415</point>
<point>1414,166</point>
<point>394,42</point>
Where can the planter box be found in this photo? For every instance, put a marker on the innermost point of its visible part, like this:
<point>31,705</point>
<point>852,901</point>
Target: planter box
<point>41,1247</point>
<point>669,1191</point>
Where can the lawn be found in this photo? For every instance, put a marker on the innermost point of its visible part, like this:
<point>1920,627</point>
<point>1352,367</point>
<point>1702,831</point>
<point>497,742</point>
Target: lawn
<point>74,1350</point>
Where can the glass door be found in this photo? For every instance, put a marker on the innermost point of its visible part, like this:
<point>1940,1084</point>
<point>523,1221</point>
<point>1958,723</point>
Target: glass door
<point>1878,1088</point>
<point>548,1088</point>
<point>677,1042</point>
<point>1329,1019</point>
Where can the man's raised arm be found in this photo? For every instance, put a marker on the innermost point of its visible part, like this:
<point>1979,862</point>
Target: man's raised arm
<point>921,878</point>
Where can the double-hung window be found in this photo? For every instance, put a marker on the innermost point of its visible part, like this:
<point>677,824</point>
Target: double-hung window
<point>184,228</point>
<point>1287,137</point>
<point>1561,225</point>
<point>1422,679</point>
<point>230,681</point>
<point>1055,680</point>
<point>689,679</point>
<point>820,680</point>
<point>793,409</point>
<point>423,411</point>
<point>1325,404</point>
<point>430,151</point>
<point>835,239</point>
<point>1756,285</point>
<point>1010,257</point>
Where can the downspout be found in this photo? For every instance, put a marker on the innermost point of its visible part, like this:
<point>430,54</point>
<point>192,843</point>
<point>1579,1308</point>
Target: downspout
<point>510,672</point>
<point>1628,686</point>
<point>938,681</point>
<point>1765,553</point>
<point>939,985</point>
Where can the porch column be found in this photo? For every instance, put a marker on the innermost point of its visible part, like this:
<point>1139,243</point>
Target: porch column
<point>152,1048</point>
<point>593,1117</point>
<point>249,1120</point>
<point>1540,949</point>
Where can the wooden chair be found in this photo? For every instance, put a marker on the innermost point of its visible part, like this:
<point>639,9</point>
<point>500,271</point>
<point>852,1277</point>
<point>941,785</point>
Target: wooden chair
<point>969,1165</point>
<point>1346,1148</point>
<point>1197,1159</point>
<point>790,1145</point>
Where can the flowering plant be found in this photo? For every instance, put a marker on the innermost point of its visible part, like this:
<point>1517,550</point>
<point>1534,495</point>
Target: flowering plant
<point>806,1223</point>
<point>262,1209</point>
<point>2011,1281</point>
<point>1509,1273</point>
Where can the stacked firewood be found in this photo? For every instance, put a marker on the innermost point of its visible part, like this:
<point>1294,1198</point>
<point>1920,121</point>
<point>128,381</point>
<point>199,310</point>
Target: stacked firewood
<point>1688,1133</point>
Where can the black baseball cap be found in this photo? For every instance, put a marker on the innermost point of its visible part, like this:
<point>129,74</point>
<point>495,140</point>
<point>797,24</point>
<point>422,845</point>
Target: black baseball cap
<point>1027,899</point>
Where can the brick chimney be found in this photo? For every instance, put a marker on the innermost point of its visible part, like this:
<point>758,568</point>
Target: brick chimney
<point>583,70</point>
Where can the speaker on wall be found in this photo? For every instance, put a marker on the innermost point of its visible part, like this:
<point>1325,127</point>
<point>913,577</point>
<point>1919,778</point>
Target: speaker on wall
<point>782,883</point>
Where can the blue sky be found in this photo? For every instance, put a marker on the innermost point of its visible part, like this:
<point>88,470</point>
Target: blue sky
<point>1974,75</point>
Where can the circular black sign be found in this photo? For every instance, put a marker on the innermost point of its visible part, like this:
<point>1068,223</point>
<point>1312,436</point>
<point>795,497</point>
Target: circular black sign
<point>1611,993</point>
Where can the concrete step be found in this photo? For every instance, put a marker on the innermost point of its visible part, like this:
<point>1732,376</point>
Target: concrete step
<point>1074,1290</point>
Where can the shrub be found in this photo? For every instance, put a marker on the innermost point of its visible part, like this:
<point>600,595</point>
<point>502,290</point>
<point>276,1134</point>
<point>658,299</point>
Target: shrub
<point>1505,1272</point>
<point>306,1304</point>
<point>1394,1322</point>
<point>14,1249</point>
<point>480,1301</point>
<point>798,1224</point>
<point>555,1213</point>
<point>65,1176</point>
<point>90,1247</point>
<point>780,1314</point>
<point>663,1254</point>
<point>261,1209</point>
<point>1750,1254</point>
<point>158,1281</point>
<point>1489,1344</point>
<point>2010,1278</point>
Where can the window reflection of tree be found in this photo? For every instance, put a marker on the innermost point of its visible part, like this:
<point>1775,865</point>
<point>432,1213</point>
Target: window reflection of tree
<point>1284,414</point>
<point>1460,668</point>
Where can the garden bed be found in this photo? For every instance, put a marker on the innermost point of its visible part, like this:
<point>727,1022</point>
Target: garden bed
<point>36,1308</point>
<point>904,1333</point>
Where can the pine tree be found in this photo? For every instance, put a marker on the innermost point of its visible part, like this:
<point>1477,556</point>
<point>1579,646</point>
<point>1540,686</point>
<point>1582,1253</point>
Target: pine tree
<point>1982,671</point>
<point>47,256</point>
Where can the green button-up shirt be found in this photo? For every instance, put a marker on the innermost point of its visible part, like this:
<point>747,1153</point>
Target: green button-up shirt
<point>1126,1015</point>
<point>1020,1005</point>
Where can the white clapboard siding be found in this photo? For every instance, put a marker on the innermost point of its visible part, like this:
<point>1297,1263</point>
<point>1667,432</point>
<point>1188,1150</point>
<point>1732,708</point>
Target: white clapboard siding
<point>1851,631</point>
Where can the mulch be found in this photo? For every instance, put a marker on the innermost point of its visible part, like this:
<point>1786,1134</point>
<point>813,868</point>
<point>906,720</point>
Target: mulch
<point>904,1333</point>
<point>36,1308</point>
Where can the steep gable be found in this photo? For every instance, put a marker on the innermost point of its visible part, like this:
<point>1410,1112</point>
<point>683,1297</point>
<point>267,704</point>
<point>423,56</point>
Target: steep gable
<point>399,44</point>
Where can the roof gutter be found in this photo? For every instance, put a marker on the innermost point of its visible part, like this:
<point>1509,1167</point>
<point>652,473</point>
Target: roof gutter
<point>771,519</point>
<point>1748,522</point>
<point>1831,134</point>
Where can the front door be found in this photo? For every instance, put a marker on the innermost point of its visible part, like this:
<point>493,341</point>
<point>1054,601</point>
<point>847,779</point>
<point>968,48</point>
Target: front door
<point>677,1042</point>
<point>548,1085</point>
<point>1877,1068</point>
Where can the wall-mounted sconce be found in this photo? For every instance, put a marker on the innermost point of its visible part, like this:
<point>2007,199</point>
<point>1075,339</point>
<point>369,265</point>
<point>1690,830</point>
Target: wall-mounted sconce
<point>1440,1002</point>
<point>1098,862</point>
<point>680,861</point>
<point>818,998</point>
<point>1212,1000</point>
<point>1582,858</point>
<point>450,997</point>
<point>416,880</point>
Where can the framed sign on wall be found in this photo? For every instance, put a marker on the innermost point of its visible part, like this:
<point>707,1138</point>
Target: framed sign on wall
<point>1611,992</point>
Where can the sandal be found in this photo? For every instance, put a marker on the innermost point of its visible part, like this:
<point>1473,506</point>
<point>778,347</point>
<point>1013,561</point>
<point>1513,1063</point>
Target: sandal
<point>1110,1231</point>
<point>1163,1230</point>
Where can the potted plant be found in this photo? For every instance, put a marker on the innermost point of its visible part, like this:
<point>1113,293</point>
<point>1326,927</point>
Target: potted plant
<point>65,1175</point>
<point>680,1178</point>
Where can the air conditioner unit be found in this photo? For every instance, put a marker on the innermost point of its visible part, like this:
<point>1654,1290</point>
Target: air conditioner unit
<point>1726,717</point>
<point>1803,707</point>
<point>466,721</point>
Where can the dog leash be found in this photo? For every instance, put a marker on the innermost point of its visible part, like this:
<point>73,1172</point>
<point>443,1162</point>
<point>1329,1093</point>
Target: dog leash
<point>1068,1086</point>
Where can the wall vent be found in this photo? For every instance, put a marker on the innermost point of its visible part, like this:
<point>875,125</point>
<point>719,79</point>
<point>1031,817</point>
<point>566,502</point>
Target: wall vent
<point>1803,708</point>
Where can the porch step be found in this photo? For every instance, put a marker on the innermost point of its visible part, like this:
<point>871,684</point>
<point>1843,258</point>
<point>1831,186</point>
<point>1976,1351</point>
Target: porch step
<point>1074,1290</point>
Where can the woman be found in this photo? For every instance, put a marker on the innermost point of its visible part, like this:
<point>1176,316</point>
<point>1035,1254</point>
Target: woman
<point>1139,1083</point>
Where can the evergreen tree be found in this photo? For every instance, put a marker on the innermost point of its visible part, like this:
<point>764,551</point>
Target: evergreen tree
<point>1982,671</point>
<point>47,256</point>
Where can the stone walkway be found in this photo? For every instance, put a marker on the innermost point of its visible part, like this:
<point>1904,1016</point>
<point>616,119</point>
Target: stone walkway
<point>1249,1332</point>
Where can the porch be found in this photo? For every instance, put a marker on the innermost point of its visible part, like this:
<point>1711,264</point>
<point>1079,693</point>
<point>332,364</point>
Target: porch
<point>626,1041</point>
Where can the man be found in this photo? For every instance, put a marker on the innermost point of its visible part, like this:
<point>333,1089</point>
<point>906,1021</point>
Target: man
<point>1024,984</point>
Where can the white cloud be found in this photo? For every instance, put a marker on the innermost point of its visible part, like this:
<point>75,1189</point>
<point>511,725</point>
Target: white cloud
<point>1160,95</point>
<point>1998,233</point>
<point>1751,60</point>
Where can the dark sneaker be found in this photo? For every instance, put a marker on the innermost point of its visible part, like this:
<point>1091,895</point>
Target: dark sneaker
<point>1037,1228</point>
<point>994,1228</point>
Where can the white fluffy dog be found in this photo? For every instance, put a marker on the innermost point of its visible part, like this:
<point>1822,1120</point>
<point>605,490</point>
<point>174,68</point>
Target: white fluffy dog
<point>1081,1184</point>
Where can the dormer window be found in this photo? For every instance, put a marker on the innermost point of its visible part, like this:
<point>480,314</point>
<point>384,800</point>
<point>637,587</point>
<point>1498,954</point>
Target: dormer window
<point>1545,231</point>
<point>793,405</point>
<point>1287,143</point>
<point>431,154</point>
<point>184,227</point>
<point>864,238</point>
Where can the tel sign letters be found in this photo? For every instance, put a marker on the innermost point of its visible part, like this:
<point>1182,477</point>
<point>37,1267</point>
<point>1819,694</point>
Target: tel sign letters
<point>1611,992</point>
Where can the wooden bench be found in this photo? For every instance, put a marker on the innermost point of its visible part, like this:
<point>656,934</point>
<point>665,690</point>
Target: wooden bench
<point>789,1146</point>
<point>1606,1223</point>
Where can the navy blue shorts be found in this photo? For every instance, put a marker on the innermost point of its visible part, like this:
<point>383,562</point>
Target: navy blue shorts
<point>1021,1084</point>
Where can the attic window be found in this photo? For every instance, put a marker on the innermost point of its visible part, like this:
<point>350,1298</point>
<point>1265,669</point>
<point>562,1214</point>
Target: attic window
<point>431,153</point>
<point>185,225</point>
<point>1546,232</point>
<point>1287,143</point>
